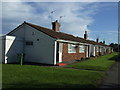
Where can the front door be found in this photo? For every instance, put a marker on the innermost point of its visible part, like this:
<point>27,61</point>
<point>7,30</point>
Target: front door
<point>87,54</point>
<point>93,50</point>
<point>60,52</point>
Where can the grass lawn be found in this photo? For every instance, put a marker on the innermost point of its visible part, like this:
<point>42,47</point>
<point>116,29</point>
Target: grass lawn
<point>30,76</point>
<point>100,63</point>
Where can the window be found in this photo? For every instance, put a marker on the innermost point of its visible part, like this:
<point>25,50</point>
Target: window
<point>71,48</point>
<point>81,49</point>
<point>29,43</point>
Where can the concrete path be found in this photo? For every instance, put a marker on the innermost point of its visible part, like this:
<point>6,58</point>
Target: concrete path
<point>111,80</point>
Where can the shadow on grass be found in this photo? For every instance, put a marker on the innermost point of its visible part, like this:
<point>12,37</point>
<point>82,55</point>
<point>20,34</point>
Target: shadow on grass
<point>32,63</point>
<point>35,85</point>
<point>116,57</point>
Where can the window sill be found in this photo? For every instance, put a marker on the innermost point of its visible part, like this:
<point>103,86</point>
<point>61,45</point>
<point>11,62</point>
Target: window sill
<point>71,52</point>
<point>81,52</point>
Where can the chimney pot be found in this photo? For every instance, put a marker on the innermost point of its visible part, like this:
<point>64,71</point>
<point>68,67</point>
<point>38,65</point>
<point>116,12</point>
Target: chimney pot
<point>97,40</point>
<point>104,42</point>
<point>86,35</point>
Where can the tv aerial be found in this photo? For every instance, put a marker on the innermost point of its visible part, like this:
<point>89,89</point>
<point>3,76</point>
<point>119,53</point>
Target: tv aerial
<point>52,12</point>
<point>60,19</point>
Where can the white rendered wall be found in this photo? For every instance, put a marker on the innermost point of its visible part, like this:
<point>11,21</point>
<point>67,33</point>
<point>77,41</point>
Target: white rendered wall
<point>13,46</point>
<point>42,50</point>
<point>19,32</point>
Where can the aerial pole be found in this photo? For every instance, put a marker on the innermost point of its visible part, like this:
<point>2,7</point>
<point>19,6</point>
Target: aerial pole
<point>52,15</point>
<point>60,19</point>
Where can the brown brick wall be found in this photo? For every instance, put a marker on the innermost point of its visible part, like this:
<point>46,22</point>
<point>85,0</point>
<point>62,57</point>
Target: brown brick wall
<point>71,56</point>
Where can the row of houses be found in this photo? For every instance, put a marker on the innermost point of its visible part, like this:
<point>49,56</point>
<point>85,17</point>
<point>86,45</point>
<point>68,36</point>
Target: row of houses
<point>48,46</point>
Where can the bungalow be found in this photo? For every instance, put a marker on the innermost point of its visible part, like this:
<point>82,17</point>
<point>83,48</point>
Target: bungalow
<point>47,46</point>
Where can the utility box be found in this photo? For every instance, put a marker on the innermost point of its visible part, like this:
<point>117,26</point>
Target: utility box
<point>20,58</point>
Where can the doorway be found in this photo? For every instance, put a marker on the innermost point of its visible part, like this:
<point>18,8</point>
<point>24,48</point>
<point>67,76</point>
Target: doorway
<point>87,51</point>
<point>59,52</point>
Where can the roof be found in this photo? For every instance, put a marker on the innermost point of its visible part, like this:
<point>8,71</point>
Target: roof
<point>60,35</point>
<point>57,35</point>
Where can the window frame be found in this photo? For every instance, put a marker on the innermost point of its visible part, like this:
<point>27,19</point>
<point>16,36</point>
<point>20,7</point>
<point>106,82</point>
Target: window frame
<point>83,49</point>
<point>29,43</point>
<point>71,48</point>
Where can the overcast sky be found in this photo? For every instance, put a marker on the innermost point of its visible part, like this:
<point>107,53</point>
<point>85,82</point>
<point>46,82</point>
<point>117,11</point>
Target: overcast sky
<point>99,19</point>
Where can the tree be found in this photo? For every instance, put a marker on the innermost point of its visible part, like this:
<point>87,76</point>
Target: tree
<point>115,46</point>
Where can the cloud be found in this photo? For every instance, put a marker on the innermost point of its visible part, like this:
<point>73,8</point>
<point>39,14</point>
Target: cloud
<point>77,15</point>
<point>14,14</point>
<point>106,31</point>
<point>60,1</point>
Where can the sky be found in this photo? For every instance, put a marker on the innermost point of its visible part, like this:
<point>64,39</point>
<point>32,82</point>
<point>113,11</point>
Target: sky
<point>100,19</point>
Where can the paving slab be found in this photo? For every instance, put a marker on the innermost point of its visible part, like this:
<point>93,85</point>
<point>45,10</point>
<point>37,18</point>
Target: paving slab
<point>112,78</point>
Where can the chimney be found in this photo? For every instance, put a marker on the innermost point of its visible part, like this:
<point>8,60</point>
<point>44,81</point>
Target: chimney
<point>56,26</point>
<point>86,35</point>
<point>104,42</point>
<point>97,40</point>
